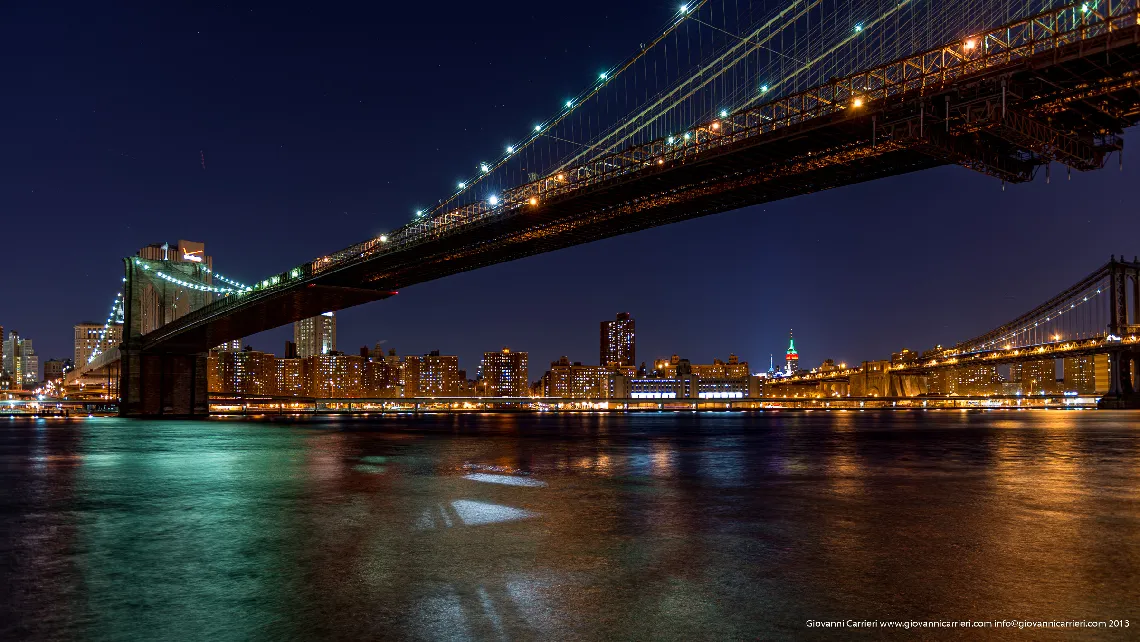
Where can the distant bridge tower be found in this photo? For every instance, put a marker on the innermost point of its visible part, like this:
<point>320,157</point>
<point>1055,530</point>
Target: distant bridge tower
<point>1123,321</point>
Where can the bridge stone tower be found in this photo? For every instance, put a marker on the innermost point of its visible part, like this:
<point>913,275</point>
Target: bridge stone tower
<point>168,383</point>
<point>1124,321</point>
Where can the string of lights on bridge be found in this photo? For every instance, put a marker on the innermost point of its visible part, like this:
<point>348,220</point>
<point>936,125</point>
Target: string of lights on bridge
<point>238,287</point>
<point>1036,323</point>
<point>117,311</point>
<point>604,79</point>
<point>116,316</point>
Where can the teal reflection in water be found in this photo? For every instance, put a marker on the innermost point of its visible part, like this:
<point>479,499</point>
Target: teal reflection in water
<point>654,526</point>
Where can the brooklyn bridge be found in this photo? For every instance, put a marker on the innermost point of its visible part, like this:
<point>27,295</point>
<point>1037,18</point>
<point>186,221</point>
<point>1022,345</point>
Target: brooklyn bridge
<point>722,110</point>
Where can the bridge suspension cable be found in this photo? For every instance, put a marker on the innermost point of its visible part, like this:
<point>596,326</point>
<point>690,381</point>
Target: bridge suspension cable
<point>720,58</point>
<point>115,316</point>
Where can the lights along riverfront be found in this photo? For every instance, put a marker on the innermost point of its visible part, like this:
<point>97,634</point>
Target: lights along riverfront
<point>564,525</point>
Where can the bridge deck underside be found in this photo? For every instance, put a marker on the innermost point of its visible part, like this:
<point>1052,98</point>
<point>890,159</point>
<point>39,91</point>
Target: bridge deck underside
<point>1091,84</point>
<point>262,314</point>
<point>822,154</point>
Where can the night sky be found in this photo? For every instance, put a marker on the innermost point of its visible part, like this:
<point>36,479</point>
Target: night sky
<point>325,123</point>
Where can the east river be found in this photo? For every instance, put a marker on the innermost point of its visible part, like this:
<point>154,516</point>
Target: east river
<point>568,526</point>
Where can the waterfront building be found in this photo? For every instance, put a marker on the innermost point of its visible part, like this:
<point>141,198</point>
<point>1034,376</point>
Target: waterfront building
<point>618,342</point>
<point>335,374</point>
<point>315,335</point>
<point>688,386</point>
<point>289,375</point>
<point>1086,375</point>
<point>20,361</point>
<point>91,338</point>
<point>733,369</point>
<point>1035,377</point>
<point>410,370</point>
<point>505,373</point>
<point>245,372</point>
<point>969,381</point>
<point>577,381</point>
<point>440,376</point>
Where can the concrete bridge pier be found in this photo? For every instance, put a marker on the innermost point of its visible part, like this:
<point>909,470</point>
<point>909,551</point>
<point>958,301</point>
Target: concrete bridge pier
<point>1122,376</point>
<point>166,385</point>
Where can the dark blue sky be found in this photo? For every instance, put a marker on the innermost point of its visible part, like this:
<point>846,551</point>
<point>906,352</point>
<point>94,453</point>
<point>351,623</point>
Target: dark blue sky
<point>325,123</point>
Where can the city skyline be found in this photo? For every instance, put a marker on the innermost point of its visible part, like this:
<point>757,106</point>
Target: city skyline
<point>754,272</point>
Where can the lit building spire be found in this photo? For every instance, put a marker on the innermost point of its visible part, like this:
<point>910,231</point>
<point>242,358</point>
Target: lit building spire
<point>791,357</point>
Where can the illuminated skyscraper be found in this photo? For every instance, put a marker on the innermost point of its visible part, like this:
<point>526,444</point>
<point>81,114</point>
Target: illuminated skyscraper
<point>618,341</point>
<point>315,335</point>
<point>791,357</point>
<point>505,373</point>
<point>20,361</point>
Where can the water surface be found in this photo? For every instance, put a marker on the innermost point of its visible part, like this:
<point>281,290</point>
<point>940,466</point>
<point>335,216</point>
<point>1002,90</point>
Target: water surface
<point>565,526</point>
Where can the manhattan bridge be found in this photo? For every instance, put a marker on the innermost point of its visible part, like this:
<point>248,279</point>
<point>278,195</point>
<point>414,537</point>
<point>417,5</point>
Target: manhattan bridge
<point>732,103</point>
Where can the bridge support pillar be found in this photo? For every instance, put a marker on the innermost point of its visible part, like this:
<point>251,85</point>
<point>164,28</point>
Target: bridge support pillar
<point>1122,392</point>
<point>163,385</point>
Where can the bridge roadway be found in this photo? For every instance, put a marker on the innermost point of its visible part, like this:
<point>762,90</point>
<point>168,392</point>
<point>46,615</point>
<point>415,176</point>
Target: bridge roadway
<point>1060,87</point>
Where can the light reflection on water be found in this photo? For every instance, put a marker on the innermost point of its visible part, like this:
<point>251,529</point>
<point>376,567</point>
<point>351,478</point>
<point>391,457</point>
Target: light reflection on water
<point>519,526</point>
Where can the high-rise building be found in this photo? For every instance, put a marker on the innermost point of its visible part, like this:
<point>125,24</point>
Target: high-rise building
<point>1035,377</point>
<point>315,335</point>
<point>618,341</point>
<point>439,376</point>
<point>230,346</point>
<point>966,381</point>
<point>410,370</point>
<point>1086,375</point>
<point>335,374</point>
<point>20,361</point>
<point>93,338</point>
<point>505,373</point>
<point>3,368</point>
<point>576,381</point>
<point>290,374</point>
<point>247,372</point>
<point>791,357</point>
